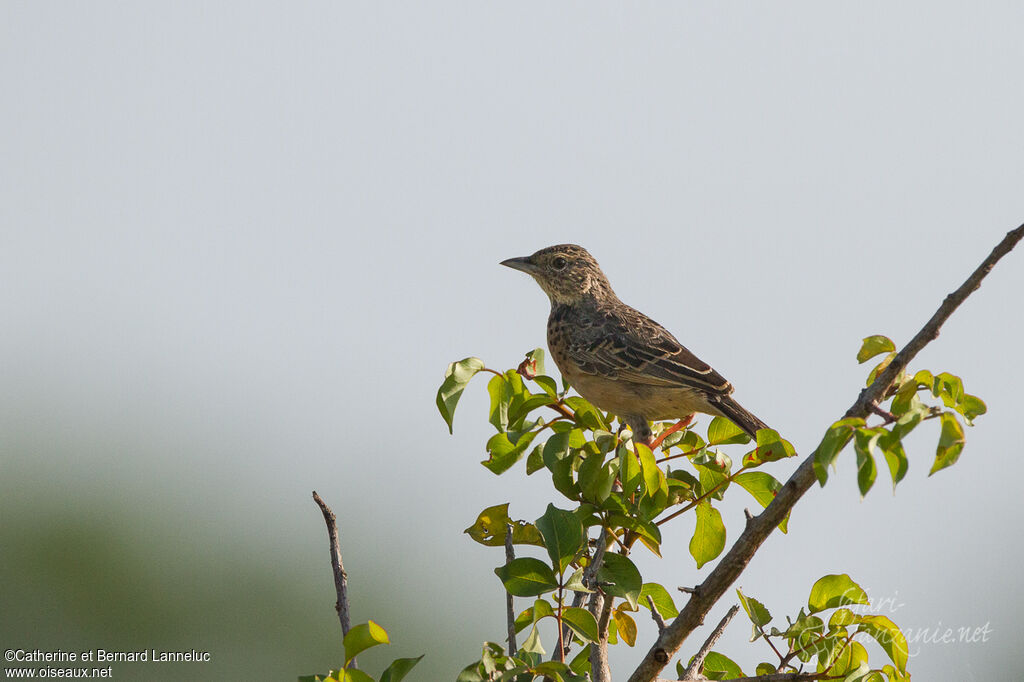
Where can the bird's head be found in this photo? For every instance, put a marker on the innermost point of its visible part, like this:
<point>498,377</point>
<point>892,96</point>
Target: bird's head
<point>567,273</point>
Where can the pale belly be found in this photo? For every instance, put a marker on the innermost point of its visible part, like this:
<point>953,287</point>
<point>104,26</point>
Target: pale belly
<point>624,398</point>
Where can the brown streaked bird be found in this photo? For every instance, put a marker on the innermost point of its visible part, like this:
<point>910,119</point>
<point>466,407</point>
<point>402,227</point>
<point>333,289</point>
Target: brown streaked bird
<point>618,358</point>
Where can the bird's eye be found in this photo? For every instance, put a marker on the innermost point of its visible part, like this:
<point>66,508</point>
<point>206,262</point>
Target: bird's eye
<point>559,263</point>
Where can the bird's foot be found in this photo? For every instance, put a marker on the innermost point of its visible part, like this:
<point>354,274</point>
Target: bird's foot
<point>678,426</point>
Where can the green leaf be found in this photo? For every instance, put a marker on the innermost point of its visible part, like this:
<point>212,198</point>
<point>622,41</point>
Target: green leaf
<point>626,626</point>
<point>648,531</point>
<point>353,675</point>
<point>399,668</point>
<point>841,618</point>
<point>721,431</point>
<point>971,407</point>
<point>597,478</point>
<point>535,460</point>
<point>864,442</point>
<point>708,539</point>
<point>765,669</point>
<point>586,414</point>
<point>580,663</point>
<point>770,447</point>
<point>563,536</point>
<point>575,582</point>
<point>835,590</point>
<point>501,395</point>
<point>623,576</point>
<point>471,673</point>
<point>948,387</point>
<point>763,487</point>
<point>805,632</point>
<point>889,637</point>
<point>662,600</point>
<point>874,345</point>
<point>533,643</point>
<point>581,622</point>
<point>491,526</point>
<point>456,377</point>
<point>505,449</point>
<point>879,368</point>
<point>849,659</point>
<point>836,438</point>
<point>654,477</point>
<point>526,577</point>
<point>547,384</point>
<point>951,443</point>
<point>756,611</point>
<point>630,471</point>
<point>895,457</point>
<point>362,637</point>
<point>713,481</point>
<point>720,667</point>
<point>522,405</point>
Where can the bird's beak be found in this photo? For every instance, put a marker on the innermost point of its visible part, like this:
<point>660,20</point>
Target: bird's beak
<point>523,264</point>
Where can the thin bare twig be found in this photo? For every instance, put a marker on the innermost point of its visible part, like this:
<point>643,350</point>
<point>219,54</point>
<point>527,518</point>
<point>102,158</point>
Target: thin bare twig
<point>698,661</point>
<point>658,620</point>
<point>340,577</point>
<point>510,611</point>
<point>760,527</point>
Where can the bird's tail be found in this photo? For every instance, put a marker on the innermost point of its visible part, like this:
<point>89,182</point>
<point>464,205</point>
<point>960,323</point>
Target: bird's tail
<point>739,416</point>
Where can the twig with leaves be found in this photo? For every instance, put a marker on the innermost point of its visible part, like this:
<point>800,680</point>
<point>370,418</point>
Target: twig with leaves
<point>761,526</point>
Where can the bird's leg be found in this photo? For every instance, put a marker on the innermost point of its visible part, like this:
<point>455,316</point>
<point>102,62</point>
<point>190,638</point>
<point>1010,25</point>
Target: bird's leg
<point>679,425</point>
<point>640,428</point>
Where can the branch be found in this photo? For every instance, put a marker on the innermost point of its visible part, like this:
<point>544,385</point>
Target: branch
<point>698,661</point>
<point>510,611</point>
<point>760,527</point>
<point>600,608</point>
<point>340,577</point>
<point>589,580</point>
<point>775,677</point>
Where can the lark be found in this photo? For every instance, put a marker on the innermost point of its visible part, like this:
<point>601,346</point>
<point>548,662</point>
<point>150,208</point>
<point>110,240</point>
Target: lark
<point>618,358</point>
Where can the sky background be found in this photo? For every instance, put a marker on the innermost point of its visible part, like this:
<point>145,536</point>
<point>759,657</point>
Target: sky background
<point>239,243</point>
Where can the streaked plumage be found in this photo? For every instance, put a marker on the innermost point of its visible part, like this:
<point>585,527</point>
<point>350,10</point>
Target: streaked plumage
<point>618,358</point>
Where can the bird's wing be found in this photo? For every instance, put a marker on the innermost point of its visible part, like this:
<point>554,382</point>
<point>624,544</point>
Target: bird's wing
<point>629,346</point>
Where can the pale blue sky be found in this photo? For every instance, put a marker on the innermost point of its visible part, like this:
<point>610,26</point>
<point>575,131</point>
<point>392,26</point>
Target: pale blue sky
<point>241,241</point>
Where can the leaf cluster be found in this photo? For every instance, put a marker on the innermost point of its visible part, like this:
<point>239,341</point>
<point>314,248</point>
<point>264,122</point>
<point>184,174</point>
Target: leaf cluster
<point>357,640</point>
<point>906,410</point>
<point>824,634</point>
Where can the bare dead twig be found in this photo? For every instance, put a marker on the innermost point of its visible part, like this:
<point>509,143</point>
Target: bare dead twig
<point>340,577</point>
<point>760,527</point>
<point>698,661</point>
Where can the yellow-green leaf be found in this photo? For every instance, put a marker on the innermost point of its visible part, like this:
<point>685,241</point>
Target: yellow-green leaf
<point>874,345</point>
<point>362,637</point>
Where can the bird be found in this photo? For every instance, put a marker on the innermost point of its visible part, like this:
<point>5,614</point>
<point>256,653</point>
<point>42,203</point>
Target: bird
<point>616,357</point>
